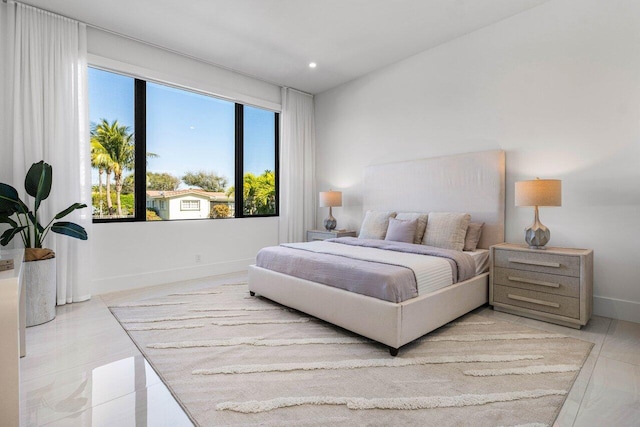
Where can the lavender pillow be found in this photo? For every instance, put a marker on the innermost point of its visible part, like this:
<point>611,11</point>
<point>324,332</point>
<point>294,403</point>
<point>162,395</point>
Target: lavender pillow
<point>401,231</point>
<point>422,223</point>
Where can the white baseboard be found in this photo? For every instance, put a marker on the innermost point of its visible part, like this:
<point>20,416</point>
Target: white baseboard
<point>616,308</point>
<point>161,277</point>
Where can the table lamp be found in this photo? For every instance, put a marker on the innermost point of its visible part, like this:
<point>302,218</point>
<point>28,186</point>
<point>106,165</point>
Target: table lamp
<point>538,192</point>
<point>330,199</point>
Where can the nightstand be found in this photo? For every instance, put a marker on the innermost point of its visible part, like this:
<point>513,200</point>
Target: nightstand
<point>324,234</point>
<point>553,284</point>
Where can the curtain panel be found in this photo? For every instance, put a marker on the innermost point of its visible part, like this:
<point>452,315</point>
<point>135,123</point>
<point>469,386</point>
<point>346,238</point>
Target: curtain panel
<point>297,166</point>
<point>45,117</point>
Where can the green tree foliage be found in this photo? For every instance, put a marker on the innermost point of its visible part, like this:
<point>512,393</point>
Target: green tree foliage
<point>259,193</point>
<point>155,181</point>
<point>208,181</point>
<point>128,185</point>
<point>162,181</point>
<point>127,201</point>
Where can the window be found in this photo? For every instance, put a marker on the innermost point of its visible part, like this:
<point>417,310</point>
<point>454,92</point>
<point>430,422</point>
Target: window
<point>189,205</point>
<point>111,112</point>
<point>184,142</point>
<point>259,162</point>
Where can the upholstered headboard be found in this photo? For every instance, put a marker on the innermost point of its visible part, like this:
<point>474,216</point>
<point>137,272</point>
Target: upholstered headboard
<point>472,183</point>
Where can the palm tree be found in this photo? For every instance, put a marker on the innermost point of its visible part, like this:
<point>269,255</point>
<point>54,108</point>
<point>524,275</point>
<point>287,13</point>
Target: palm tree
<point>115,148</point>
<point>100,160</point>
<point>101,134</point>
<point>113,151</point>
<point>121,149</point>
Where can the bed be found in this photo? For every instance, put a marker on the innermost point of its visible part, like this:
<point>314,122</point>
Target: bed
<point>473,183</point>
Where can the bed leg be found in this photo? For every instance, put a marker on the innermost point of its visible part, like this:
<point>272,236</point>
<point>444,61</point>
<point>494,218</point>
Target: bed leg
<point>253,294</point>
<point>393,351</point>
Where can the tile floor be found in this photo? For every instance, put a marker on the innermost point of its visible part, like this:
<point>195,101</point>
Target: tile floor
<point>82,369</point>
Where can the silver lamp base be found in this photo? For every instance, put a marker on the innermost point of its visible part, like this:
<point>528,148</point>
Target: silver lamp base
<point>537,235</point>
<point>330,222</point>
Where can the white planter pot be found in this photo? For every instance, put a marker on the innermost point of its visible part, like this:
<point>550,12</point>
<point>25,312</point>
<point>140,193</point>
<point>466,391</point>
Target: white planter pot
<point>40,284</point>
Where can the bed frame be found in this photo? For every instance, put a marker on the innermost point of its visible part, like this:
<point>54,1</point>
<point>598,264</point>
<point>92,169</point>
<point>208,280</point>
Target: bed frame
<point>473,183</point>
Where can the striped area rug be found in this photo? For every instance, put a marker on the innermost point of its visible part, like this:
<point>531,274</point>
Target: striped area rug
<point>232,359</point>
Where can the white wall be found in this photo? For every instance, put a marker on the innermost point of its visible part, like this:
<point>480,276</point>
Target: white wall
<point>121,54</point>
<point>557,87</point>
<point>130,255</point>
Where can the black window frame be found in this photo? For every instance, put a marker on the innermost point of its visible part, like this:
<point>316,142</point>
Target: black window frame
<point>140,167</point>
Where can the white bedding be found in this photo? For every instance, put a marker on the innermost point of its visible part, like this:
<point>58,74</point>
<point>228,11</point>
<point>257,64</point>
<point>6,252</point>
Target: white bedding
<point>481,257</point>
<point>432,273</point>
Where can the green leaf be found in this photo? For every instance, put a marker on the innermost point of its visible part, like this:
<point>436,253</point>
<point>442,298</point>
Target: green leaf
<point>8,235</point>
<point>7,220</point>
<point>9,200</point>
<point>70,209</point>
<point>38,182</point>
<point>69,229</point>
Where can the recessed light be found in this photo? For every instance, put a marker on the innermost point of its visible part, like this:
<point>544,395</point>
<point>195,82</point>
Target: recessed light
<point>312,65</point>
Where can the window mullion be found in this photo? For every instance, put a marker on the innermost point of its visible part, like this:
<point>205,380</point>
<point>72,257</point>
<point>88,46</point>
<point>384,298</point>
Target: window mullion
<point>239,178</point>
<point>140,171</point>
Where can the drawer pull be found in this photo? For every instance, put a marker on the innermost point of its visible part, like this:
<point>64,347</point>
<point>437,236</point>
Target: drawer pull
<point>533,282</point>
<point>538,263</point>
<point>533,301</point>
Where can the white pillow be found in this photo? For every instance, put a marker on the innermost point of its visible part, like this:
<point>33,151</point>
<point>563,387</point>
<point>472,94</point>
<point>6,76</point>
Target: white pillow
<point>446,230</point>
<point>375,225</point>
<point>422,223</point>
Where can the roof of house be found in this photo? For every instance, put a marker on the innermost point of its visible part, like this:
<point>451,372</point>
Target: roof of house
<point>211,195</point>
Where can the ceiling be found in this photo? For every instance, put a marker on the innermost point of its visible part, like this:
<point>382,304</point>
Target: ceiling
<point>275,40</point>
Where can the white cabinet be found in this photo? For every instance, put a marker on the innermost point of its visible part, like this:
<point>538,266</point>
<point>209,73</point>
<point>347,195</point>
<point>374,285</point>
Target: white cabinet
<point>12,344</point>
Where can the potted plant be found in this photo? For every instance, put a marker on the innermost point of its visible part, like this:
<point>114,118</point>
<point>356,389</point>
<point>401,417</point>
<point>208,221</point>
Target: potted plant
<point>39,268</point>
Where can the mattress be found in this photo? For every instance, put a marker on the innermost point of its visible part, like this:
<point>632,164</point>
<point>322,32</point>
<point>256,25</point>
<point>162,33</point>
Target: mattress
<point>397,274</point>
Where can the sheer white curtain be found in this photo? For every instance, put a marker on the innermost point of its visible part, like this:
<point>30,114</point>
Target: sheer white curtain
<point>297,166</point>
<point>46,118</point>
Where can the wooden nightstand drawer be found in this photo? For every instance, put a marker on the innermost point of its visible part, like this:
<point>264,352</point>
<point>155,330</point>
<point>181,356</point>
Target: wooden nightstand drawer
<point>542,282</point>
<point>539,301</point>
<point>538,261</point>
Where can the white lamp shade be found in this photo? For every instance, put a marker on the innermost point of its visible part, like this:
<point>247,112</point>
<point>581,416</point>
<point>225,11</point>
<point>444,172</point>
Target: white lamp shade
<point>330,198</point>
<point>539,192</point>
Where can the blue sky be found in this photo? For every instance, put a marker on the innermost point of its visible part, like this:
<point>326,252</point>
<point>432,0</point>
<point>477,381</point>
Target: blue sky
<point>188,131</point>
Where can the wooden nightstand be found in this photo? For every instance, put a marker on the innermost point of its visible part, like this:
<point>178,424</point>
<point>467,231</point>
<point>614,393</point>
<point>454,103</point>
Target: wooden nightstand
<point>554,284</point>
<point>324,234</point>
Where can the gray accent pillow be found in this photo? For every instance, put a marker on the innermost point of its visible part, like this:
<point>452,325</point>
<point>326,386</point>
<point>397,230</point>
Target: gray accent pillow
<point>375,225</point>
<point>422,223</point>
<point>401,231</point>
<point>446,230</point>
<point>474,231</point>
